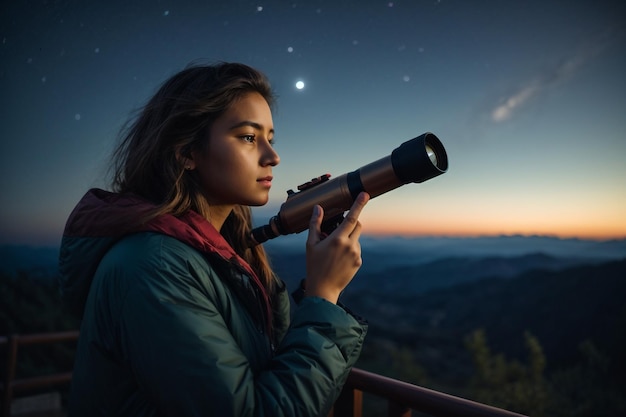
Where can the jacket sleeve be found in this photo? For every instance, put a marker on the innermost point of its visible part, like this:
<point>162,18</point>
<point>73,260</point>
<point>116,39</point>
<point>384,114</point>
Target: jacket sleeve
<point>186,360</point>
<point>314,359</point>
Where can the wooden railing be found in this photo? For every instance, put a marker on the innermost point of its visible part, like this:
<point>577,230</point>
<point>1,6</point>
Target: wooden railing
<point>13,387</point>
<point>401,397</point>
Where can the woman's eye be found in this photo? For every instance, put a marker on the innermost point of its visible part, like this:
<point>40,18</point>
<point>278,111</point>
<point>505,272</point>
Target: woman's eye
<point>248,138</point>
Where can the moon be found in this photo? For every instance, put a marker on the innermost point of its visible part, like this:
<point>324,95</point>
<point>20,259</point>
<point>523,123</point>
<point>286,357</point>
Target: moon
<point>300,85</point>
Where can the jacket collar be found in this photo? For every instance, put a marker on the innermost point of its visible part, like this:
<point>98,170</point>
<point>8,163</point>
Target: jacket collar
<point>102,213</point>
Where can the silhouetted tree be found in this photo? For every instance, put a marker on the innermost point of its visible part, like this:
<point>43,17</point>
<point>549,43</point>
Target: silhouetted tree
<point>511,385</point>
<point>587,389</point>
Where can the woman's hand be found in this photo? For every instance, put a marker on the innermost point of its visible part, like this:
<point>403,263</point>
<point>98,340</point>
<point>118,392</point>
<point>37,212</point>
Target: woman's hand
<point>333,260</point>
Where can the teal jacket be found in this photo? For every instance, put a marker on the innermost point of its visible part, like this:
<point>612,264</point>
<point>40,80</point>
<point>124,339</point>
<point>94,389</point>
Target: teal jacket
<point>176,324</point>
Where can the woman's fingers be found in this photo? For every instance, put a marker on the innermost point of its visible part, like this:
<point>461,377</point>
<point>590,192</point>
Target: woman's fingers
<point>350,223</point>
<point>315,224</point>
<point>333,260</point>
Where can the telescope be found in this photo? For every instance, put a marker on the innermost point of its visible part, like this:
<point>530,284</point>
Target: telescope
<point>414,161</point>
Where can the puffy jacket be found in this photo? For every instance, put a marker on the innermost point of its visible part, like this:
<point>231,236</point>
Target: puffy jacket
<point>176,324</point>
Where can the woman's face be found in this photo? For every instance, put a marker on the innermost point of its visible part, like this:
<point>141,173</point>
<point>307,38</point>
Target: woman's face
<point>236,166</point>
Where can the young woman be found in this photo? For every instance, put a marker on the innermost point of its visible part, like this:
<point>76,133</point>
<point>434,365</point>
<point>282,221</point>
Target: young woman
<point>180,317</point>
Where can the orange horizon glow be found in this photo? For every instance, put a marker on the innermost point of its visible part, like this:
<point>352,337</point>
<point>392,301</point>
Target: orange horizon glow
<point>478,234</point>
<point>383,229</point>
<point>473,220</point>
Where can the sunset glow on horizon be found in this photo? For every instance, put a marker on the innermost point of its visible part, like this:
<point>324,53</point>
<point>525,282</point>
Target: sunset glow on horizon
<point>490,216</point>
<point>459,228</point>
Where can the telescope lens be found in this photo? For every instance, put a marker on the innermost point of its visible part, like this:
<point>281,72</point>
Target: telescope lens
<point>431,154</point>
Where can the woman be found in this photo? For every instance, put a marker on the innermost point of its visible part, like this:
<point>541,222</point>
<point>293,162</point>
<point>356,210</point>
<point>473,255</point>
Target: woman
<point>179,316</point>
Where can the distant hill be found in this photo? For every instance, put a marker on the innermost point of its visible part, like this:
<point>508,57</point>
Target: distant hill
<point>505,245</point>
<point>561,308</point>
<point>36,262</point>
<point>448,272</point>
<point>398,250</point>
<point>434,262</point>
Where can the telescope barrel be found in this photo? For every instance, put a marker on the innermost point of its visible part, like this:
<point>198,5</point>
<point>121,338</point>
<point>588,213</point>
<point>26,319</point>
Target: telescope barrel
<point>416,160</point>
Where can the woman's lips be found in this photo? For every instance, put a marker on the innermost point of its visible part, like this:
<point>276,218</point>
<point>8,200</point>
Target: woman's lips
<point>265,181</point>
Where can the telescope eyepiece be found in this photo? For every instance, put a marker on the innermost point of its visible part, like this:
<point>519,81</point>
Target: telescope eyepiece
<point>419,159</point>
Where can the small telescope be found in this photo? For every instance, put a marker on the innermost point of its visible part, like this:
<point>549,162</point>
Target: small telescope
<point>416,160</point>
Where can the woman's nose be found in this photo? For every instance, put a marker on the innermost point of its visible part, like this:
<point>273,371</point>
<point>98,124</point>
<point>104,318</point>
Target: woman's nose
<point>270,156</point>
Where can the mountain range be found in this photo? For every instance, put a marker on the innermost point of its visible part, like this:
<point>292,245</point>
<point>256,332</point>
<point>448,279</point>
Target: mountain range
<point>435,262</point>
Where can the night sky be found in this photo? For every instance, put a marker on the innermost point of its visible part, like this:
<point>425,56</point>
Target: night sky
<point>528,97</point>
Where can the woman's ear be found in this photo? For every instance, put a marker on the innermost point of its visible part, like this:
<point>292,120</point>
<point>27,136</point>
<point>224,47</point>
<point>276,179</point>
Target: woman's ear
<point>189,164</point>
<point>186,159</point>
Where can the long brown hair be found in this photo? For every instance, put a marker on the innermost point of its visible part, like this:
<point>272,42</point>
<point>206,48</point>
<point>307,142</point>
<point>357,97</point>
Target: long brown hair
<point>174,122</point>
